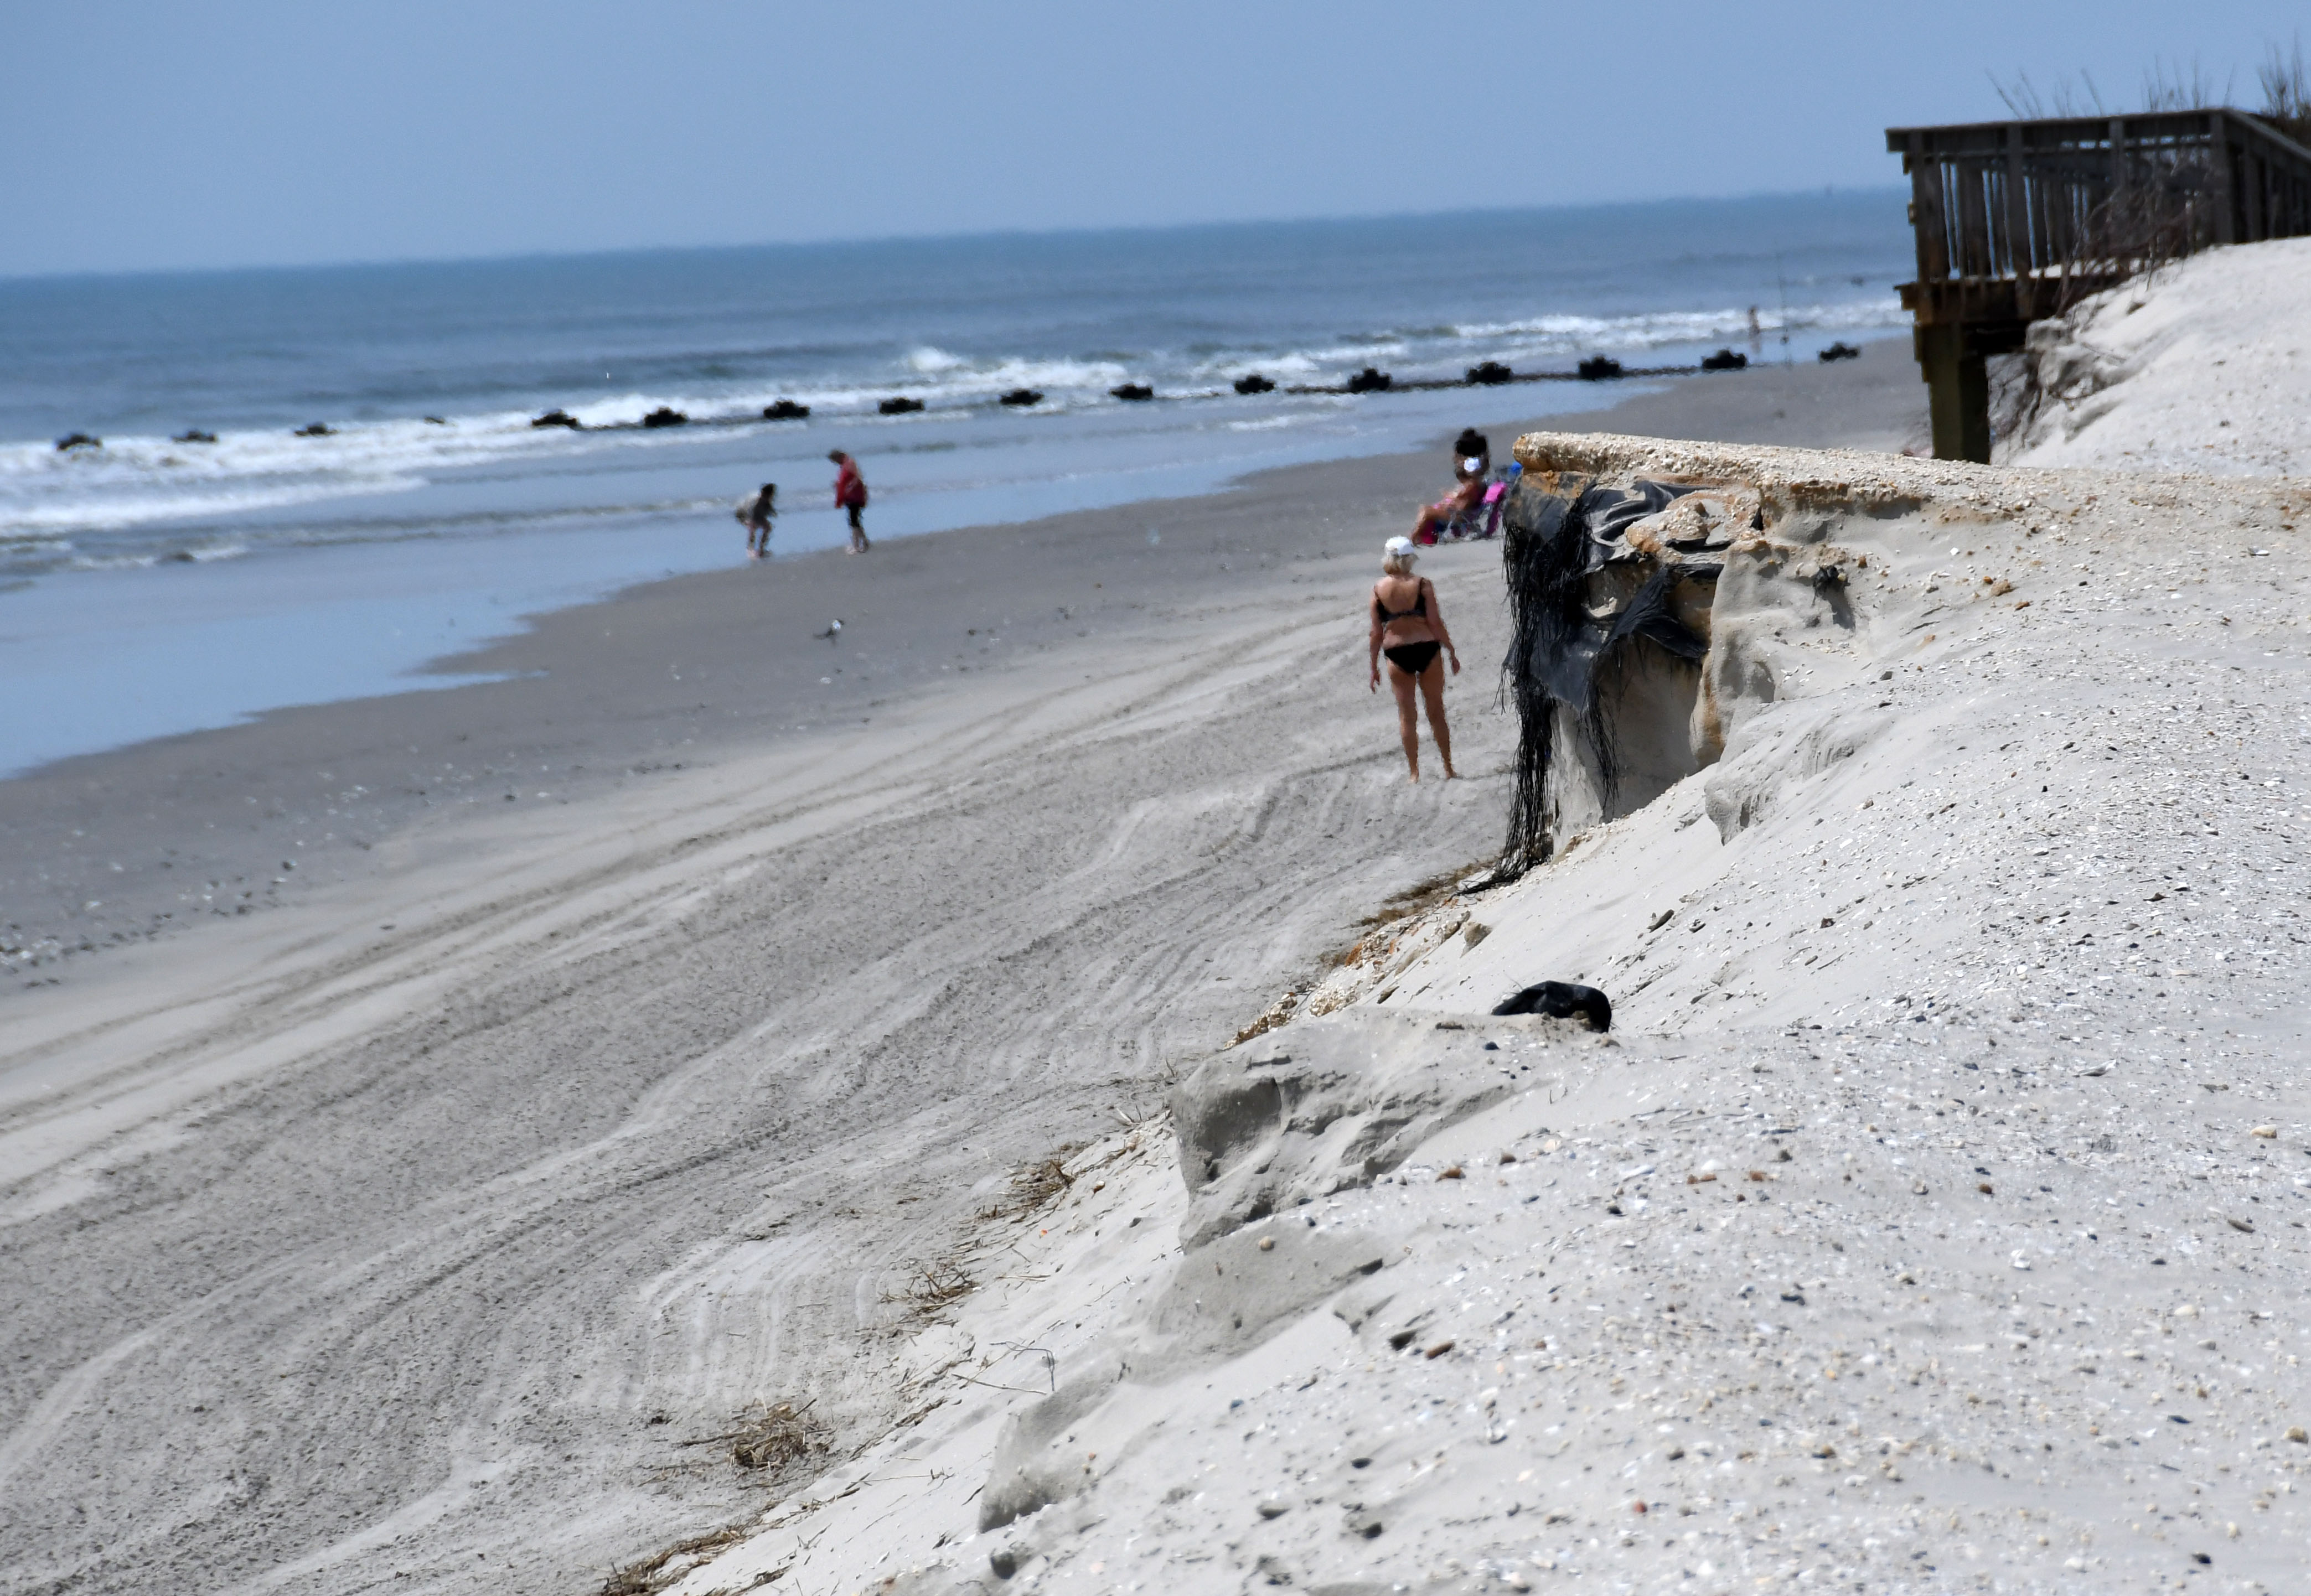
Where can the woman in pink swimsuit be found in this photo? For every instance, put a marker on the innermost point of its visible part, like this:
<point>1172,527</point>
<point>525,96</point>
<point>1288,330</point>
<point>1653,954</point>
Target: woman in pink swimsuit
<point>1435,519</point>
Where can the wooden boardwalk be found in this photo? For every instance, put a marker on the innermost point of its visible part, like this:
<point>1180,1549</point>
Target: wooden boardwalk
<point>2018,221</point>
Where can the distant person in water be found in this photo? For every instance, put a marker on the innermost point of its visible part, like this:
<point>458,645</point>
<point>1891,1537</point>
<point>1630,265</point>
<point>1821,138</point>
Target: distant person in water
<point>1408,625</point>
<point>758,513</point>
<point>851,494</point>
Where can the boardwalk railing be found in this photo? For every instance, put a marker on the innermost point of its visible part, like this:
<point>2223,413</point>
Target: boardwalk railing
<point>2016,221</point>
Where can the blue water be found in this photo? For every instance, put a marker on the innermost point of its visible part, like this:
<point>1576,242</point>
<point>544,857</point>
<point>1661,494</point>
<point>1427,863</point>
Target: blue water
<point>267,569</point>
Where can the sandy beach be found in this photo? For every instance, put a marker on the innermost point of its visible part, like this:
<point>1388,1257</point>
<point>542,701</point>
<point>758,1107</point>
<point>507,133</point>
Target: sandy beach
<point>430,1125</point>
<point>722,873</point>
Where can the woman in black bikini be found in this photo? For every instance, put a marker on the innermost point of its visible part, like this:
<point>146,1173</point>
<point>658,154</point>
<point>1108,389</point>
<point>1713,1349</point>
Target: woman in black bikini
<point>1408,625</point>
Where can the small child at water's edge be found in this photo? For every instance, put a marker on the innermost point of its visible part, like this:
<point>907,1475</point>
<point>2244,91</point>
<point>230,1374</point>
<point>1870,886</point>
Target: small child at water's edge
<point>758,513</point>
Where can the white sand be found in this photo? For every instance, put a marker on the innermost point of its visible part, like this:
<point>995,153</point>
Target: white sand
<point>2206,366</point>
<point>1974,974</point>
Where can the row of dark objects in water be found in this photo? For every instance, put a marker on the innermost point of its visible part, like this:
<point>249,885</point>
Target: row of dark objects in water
<point>71,440</point>
<point>1370,380</point>
<point>320,429</point>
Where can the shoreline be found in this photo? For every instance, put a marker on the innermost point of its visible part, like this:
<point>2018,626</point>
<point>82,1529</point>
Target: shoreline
<point>211,625</point>
<point>119,847</point>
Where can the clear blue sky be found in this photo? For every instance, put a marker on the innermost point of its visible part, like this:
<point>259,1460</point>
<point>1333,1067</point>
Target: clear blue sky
<point>141,135</point>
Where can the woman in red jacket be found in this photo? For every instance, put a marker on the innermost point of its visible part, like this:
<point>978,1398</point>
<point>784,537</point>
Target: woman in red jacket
<point>851,494</point>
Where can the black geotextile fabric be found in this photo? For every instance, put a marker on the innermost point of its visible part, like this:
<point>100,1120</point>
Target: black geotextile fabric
<point>1552,543</point>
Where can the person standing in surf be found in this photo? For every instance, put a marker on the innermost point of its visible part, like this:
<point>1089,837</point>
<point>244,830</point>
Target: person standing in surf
<point>851,494</point>
<point>1408,625</point>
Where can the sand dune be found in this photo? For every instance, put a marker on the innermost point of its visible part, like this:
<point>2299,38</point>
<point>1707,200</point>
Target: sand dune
<point>2203,366</point>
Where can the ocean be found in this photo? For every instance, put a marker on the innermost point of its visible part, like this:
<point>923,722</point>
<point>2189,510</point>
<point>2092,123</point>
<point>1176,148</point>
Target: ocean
<point>156,582</point>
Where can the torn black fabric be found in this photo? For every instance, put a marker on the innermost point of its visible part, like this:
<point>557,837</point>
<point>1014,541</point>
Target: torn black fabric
<point>1650,616</point>
<point>1554,541</point>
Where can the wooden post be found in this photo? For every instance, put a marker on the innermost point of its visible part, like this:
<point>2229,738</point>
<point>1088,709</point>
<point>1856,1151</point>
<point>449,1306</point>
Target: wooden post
<point>1957,392</point>
<point>1926,210</point>
<point>2218,154</point>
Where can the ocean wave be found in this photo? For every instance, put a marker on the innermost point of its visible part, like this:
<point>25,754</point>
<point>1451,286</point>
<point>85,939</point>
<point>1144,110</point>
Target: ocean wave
<point>121,507</point>
<point>1664,329</point>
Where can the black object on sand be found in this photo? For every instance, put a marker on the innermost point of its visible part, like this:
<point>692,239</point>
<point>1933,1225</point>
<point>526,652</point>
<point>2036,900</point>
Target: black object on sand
<point>1563,1000</point>
<point>1724,360</point>
<point>1253,382</point>
<point>1372,380</point>
<point>556,418</point>
<point>666,415</point>
<point>1021,397</point>
<point>1840,350</point>
<point>899,405</point>
<point>1490,374</point>
<point>786,410</point>
<point>1135,392</point>
<point>832,634</point>
<point>1597,368</point>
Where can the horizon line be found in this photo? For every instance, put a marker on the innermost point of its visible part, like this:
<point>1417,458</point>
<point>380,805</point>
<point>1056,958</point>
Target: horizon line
<point>972,235</point>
